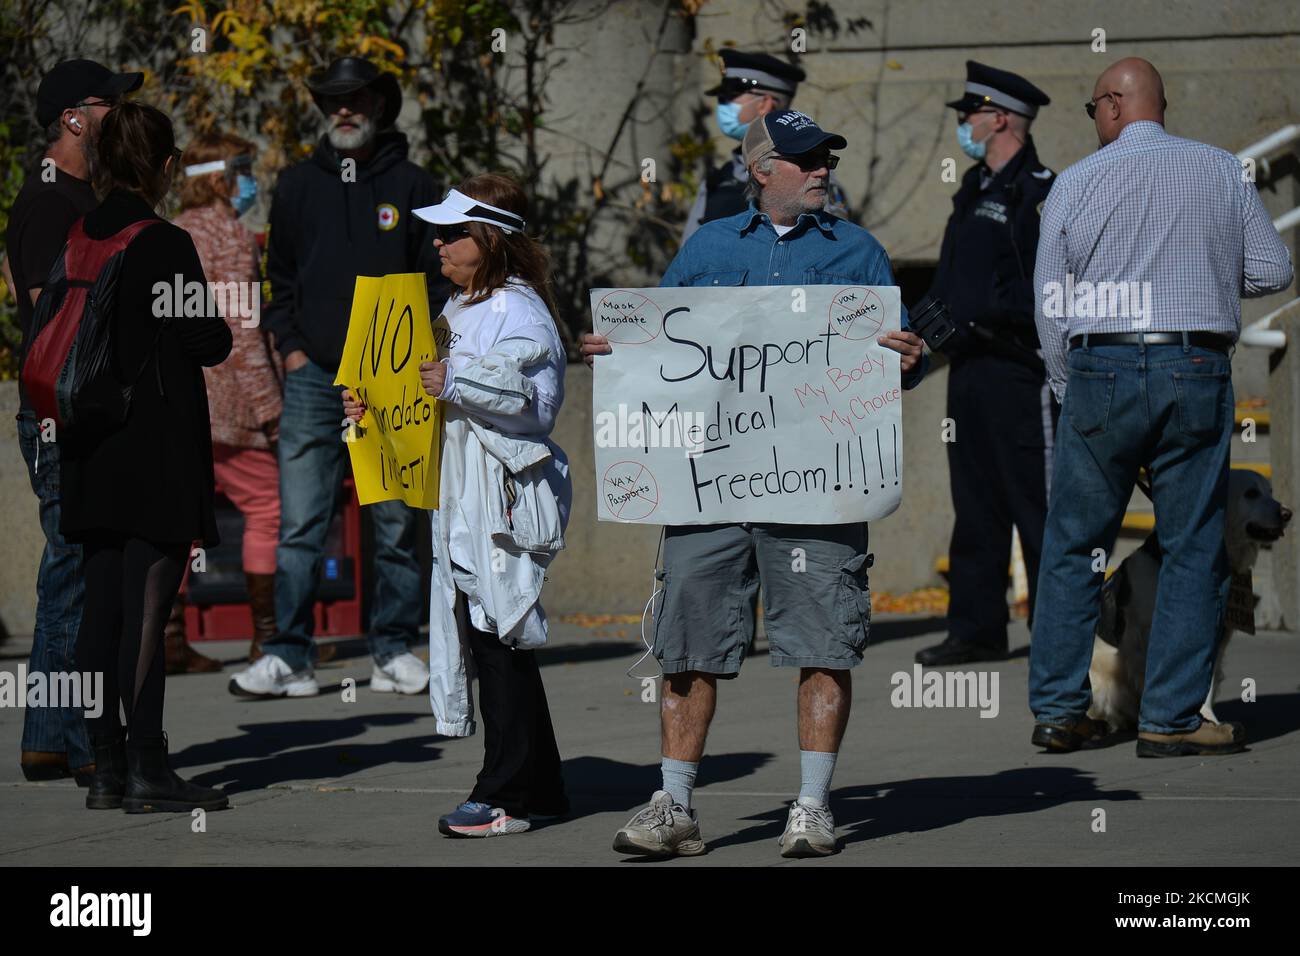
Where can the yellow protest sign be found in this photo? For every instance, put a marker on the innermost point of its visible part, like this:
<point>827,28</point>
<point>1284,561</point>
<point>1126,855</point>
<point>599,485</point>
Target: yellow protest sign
<point>396,449</point>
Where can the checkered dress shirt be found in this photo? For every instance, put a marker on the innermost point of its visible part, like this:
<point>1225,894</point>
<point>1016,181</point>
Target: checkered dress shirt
<point>1174,230</point>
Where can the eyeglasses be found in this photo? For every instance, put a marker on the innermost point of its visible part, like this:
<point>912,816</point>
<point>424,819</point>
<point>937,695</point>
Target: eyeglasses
<point>963,117</point>
<point>1091,105</point>
<point>449,234</point>
<point>811,161</point>
<point>107,104</point>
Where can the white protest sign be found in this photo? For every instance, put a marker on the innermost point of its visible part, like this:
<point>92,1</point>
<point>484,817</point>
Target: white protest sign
<point>763,403</point>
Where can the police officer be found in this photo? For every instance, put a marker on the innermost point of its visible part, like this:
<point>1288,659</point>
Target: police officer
<point>1002,409</point>
<point>753,85</point>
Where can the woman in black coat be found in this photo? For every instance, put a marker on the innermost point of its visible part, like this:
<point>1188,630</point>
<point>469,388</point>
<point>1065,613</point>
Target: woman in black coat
<point>138,497</point>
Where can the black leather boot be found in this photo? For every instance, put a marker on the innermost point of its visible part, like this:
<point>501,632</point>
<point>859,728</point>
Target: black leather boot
<point>109,780</point>
<point>152,786</point>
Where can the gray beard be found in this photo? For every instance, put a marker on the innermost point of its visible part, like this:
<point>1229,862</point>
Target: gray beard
<point>90,153</point>
<point>356,139</point>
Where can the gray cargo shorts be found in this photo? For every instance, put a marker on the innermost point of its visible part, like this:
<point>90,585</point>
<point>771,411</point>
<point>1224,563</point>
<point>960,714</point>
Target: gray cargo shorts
<point>816,604</point>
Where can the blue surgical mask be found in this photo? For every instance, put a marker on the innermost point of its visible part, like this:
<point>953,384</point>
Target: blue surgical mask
<point>247,194</point>
<point>729,120</point>
<point>965,139</point>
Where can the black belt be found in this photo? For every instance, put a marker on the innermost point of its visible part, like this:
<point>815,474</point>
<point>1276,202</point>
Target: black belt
<point>1203,340</point>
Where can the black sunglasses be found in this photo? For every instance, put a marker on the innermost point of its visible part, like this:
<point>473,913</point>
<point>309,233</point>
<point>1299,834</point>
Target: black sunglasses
<point>810,161</point>
<point>449,234</point>
<point>1091,105</point>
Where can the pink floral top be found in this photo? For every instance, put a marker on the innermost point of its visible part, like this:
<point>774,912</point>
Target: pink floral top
<point>244,391</point>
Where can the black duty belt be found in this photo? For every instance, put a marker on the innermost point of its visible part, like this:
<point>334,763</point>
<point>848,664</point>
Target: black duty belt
<point>1203,340</point>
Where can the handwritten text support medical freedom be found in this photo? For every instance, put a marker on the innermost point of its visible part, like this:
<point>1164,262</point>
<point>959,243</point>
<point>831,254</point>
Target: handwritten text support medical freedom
<point>766,403</point>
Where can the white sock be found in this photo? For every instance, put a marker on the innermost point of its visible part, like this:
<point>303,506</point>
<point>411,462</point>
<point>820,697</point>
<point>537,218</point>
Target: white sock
<point>816,769</point>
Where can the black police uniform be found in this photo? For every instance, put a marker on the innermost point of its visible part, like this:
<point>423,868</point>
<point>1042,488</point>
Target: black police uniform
<point>722,193</point>
<point>998,398</point>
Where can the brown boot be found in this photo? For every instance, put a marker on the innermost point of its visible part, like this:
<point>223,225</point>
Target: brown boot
<point>1209,738</point>
<point>261,602</point>
<point>181,658</point>
<point>44,765</point>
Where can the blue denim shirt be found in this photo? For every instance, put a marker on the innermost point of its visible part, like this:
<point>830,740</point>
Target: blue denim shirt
<point>820,250</point>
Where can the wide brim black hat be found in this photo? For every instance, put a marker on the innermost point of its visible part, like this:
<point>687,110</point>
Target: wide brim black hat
<point>351,73</point>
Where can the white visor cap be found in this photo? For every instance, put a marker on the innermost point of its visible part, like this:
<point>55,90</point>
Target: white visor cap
<point>458,207</point>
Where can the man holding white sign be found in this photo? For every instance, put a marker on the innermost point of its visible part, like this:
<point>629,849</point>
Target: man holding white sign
<point>813,576</point>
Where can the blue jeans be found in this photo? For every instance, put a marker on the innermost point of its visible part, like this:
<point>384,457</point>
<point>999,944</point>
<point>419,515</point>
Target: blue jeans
<point>1169,407</point>
<point>312,464</point>
<point>59,592</point>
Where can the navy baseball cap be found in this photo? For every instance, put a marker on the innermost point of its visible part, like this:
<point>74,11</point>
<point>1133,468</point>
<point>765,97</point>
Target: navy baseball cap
<point>71,81</point>
<point>788,133</point>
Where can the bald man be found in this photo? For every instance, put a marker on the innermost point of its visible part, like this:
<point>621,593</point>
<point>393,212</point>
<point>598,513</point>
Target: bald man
<point>1145,250</point>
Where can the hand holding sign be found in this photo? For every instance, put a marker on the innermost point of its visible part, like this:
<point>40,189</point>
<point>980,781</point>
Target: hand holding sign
<point>396,456</point>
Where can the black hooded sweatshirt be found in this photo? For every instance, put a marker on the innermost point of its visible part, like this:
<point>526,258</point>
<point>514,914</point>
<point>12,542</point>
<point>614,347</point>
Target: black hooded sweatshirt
<point>325,231</point>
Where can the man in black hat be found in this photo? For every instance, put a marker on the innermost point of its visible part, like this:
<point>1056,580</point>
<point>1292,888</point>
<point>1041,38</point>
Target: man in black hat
<point>752,85</point>
<point>340,214</point>
<point>70,103</point>
<point>998,398</point>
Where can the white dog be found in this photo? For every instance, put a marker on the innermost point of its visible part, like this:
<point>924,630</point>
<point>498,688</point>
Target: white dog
<point>1119,655</point>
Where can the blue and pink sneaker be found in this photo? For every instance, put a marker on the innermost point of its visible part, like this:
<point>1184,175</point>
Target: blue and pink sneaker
<point>472,819</point>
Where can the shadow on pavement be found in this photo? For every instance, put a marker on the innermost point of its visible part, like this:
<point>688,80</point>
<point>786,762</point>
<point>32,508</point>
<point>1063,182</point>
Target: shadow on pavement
<point>1273,715</point>
<point>261,756</point>
<point>932,803</point>
<point>599,785</point>
<point>885,629</point>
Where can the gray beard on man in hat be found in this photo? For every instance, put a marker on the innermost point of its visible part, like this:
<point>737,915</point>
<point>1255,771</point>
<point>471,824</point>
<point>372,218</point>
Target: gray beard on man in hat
<point>89,144</point>
<point>358,138</point>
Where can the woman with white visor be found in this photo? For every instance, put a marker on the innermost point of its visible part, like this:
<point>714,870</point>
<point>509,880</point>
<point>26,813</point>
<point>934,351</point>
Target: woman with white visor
<point>503,501</point>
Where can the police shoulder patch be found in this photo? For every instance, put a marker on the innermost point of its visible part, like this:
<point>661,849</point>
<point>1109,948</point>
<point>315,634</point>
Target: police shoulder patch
<point>388,216</point>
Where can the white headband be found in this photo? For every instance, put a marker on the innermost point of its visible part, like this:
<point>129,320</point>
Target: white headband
<point>216,166</point>
<point>458,207</point>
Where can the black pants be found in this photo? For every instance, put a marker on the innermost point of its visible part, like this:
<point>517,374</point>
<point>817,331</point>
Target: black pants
<point>521,763</point>
<point>130,586</point>
<point>1005,424</point>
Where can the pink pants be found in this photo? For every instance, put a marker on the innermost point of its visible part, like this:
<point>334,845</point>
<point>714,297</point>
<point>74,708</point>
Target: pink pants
<point>250,478</point>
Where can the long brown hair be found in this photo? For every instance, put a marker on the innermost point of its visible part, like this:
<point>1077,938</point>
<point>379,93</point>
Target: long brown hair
<point>506,254</point>
<point>135,140</point>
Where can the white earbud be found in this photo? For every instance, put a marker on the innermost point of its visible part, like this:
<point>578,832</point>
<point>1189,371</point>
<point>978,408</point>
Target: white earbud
<point>75,123</point>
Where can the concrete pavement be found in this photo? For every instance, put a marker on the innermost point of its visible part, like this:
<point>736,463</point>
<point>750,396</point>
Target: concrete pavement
<point>324,782</point>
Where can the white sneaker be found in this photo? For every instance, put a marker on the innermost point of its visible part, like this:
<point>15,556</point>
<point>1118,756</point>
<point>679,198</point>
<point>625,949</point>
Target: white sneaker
<point>270,676</point>
<point>809,830</point>
<point>660,830</point>
<point>404,674</point>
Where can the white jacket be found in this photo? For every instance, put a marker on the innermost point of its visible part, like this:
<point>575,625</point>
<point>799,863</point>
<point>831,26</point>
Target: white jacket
<point>504,503</point>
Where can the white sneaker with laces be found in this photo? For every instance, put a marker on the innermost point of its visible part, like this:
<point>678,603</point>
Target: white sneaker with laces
<point>270,676</point>
<point>809,830</point>
<point>662,829</point>
<point>404,674</point>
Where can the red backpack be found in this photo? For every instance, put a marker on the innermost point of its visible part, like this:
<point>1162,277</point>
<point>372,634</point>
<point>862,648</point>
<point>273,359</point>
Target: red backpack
<point>68,373</point>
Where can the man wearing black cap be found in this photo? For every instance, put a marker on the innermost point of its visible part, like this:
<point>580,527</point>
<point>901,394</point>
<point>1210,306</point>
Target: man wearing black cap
<point>816,620</point>
<point>998,398</point>
<point>70,103</point>
<point>752,85</point>
<point>340,214</point>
